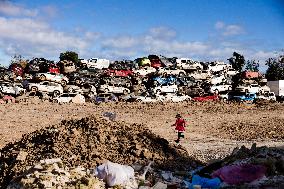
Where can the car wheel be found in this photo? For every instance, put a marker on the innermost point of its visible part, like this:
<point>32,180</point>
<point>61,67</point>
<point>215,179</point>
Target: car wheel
<point>63,83</point>
<point>125,92</point>
<point>91,94</point>
<point>198,68</point>
<point>43,77</point>
<point>216,91</point>
<point>158,91</point>
<point>106,90</point>
<point>181,74</point>
<point>225,99</point>
<point>56,93</point>
<point>78,81</point>
<point>34,89</point>
<point>55,101</point>
<point>139,100</point>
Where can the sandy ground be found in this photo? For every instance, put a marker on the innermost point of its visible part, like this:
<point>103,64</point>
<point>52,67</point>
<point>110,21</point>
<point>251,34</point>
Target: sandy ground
<point>205,138</point>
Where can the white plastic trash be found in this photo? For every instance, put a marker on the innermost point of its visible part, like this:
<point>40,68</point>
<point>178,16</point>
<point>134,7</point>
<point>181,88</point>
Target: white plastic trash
<point>114,173</point>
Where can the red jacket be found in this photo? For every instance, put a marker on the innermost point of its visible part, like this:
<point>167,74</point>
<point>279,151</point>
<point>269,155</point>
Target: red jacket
<point>180,125</point>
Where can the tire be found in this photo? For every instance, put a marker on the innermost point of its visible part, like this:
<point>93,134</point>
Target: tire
<point>78,81</point>
<point>106,90</point>
<point>55,101</point>
<point>225,100</point>
<point>91,94</point>
<point>42,77</point>
<point>181,74</point>
<point>158,91</point>
<point>34,89</point>
<point>139,100</point>
<point>63,83</point>
<point>56,93</point>
<point>127,85</point>
<point>198,68</point>
<point>125,92</point>
<point>216,91</point>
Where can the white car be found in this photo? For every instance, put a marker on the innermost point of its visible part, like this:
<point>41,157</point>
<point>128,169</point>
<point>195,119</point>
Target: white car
<point>114,89</point>
<point>220,88</point>
<point>98,63</point>
<point>169,71</point>
<point>148,98</point>
<point>217,79</point>
<point>267,96</point>
<point>188,64</point>
<point>200,75</point>
<point>56,77</point>
<point>176,98</point>
<point>264,89</point>
<point>11,89</point>
<point>218,66</point>
<point>51,88</point>
<point>166,89</point>
<point>68,97</point>
<point>144,71</point>
<point>231,72</point>
<point>252,88</point>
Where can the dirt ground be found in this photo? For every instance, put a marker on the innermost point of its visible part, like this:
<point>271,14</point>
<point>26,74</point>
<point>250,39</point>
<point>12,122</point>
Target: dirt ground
<point>214,129</point>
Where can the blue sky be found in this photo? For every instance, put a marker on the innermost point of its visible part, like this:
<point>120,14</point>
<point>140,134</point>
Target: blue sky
<point>125,29</point>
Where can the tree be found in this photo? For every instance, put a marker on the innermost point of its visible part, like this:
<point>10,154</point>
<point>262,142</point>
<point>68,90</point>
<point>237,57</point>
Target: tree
<point>237,61</point>
<point>69,56</point>
<point>19,60</point>
<point>275,69</point>
<point>252,65</point>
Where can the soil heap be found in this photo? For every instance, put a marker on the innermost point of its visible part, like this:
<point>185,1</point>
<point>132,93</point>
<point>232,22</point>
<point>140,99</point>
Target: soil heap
<point>88,142</point>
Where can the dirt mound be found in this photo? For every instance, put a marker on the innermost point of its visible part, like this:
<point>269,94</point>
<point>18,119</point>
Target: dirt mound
<point>89,142</point>
<point>261,128</point>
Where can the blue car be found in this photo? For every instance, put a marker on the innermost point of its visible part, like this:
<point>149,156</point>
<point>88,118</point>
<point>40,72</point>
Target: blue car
<point>106,97</point>
<point>243,97</point>
<point>164,80</point>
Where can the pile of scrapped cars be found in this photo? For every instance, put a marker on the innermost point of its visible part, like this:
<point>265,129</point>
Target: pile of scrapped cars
<point>147,79</point>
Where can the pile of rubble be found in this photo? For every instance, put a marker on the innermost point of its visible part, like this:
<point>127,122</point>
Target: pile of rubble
<point>88,143</point>
<point>257,167</point>
<point>51,173</point>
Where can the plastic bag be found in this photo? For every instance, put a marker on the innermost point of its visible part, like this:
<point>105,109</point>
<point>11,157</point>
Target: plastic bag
<point>203,182</point>
<point>114,173</point>
<point>239,174</point>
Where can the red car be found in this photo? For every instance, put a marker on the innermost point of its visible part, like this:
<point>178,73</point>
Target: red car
<point>121,73</point>
<point>53,69</point>
<point>206,98</point>
<point>16,69</point>
<point>155,61</point>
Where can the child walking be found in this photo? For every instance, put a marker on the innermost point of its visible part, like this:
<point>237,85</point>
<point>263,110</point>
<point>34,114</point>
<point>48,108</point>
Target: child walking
<point>180,127</point>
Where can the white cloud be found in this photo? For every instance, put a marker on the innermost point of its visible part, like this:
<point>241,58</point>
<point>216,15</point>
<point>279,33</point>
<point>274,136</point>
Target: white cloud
<point>162,33</point>
<point>10,9</point>
<point>36,38</point>
<point>229,30</point>
<point>233,30</point>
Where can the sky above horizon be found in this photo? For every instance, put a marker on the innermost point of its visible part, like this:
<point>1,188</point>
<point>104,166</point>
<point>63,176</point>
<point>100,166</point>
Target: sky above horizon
<point>125,29</point>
